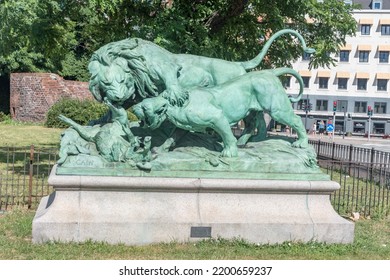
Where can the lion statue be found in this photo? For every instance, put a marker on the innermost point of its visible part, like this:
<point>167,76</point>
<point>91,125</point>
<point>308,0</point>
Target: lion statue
<point>223,105</point>
<point>130,70</point>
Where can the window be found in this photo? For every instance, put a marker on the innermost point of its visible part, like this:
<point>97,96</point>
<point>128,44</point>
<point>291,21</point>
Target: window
<point>377,5</point>
<point>363,56</point>
<point>378,128</point>
<point>360,107</point>
<point>344,56</point>
<point>323,82</point>
<point>342,83</point>
<point>362,84</point>
<point>286,81</point>
<point>385,29</point>
<point>380,107</point>
<point>342,105</point>
<point>383,56</point>
<point>365,29</point>
<point>306,81</point>
<point>359,127</point>
<point>306,56</point>
<point>322,105</point>
<point>301,105</point>
<point>382,85</point>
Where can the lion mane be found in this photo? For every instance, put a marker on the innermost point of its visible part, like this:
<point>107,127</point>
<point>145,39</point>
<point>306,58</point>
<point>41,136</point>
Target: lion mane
<point>119,67</point>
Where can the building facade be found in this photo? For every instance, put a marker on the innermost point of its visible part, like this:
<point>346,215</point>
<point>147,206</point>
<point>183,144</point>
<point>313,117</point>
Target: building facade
<point>359,83</point>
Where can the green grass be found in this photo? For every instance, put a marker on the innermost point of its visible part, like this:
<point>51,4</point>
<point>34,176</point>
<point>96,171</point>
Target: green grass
<point>372,237</point>
<point>15,139</point>
<point>22,135</point>
<point>372,242</point>
<point>370,198</point>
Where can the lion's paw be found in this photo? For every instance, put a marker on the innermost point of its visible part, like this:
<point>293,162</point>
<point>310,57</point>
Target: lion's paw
<point>176,96</point>
<point>230,151</point>
<point>300,143</point>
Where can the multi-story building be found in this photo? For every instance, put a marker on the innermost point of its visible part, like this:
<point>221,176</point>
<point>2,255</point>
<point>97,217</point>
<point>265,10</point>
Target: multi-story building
<point>359,82</point>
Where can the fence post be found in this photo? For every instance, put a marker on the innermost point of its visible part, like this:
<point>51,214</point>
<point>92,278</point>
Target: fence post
<point>350,159</point>
<point>318,148</point>
<point>30,180</point>
<point>333,148</point>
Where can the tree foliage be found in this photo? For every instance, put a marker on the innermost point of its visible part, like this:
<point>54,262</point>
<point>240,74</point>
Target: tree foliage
<point>34,36</point>
<point>60,35</point>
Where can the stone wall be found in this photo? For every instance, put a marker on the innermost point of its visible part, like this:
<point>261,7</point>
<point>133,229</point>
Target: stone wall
<point>32,94</point>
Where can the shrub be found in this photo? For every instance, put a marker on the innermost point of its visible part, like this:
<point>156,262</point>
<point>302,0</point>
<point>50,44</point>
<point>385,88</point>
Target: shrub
<point>81,111</point>
<point>5,118</point>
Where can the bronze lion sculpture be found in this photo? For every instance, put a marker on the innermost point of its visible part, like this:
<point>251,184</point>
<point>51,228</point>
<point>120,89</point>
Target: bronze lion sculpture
<point>133,69</point>
<point>223,105</point>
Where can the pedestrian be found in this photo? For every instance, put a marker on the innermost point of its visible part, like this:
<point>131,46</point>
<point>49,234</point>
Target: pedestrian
<point>330,129</point>
<point>288,131</point>
<point>321,128</point>
<point>314,129</point>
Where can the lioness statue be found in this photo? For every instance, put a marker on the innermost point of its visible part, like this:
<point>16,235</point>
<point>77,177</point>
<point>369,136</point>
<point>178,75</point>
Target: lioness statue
<point>133,69</point>
<point>223,105</point>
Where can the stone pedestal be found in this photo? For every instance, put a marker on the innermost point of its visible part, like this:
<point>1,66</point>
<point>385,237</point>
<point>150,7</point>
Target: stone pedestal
<point>145,210</point>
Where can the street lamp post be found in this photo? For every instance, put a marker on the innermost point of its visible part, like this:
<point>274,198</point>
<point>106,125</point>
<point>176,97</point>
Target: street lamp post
<point>369,128</point>
<point>344,129</point>
<point>307,110</point>
<point>369,113</point>
<point>334,119</point>
<point>334,126</point>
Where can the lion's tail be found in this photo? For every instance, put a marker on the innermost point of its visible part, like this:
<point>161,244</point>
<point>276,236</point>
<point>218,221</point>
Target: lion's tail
<point>251,64</point>
<point>283,71</point>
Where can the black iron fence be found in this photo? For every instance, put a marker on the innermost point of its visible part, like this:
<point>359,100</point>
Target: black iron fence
<point>349,153</point>
<point>23,175</point>
<point>365,187</point>
<point>363,174</point>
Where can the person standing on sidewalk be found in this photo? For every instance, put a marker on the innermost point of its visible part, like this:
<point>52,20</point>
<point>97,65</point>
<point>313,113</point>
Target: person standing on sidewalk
<point>314,129</point>
<point>321,128</point>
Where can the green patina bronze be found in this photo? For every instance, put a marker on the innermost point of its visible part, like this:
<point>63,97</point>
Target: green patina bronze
<point>134,69</point>
<point>223,105</point>
<point>187,104</point>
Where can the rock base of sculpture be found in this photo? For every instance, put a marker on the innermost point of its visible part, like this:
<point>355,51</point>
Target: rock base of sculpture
<point>269,159</point>
<point>146,210</point>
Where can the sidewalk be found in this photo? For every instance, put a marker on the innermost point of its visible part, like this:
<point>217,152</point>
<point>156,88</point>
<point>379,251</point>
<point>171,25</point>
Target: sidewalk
<point>354,140</point>
<point>338,139</point>
<point>375,142</point>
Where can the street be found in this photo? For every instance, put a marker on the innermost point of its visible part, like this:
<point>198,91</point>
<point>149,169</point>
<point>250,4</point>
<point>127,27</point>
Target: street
<point>376,143</point>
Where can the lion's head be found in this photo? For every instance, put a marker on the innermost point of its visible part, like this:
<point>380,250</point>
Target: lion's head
<point>119,73</point>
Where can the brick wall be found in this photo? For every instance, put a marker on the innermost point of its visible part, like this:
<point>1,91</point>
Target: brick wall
<point>32,94</point>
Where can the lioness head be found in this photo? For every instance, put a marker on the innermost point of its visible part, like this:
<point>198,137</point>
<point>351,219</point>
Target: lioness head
<point>151,111</point>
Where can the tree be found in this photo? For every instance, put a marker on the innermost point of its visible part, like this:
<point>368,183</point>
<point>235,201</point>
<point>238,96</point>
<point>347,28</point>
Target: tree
<point>34,36</point>
<point>60,35</point>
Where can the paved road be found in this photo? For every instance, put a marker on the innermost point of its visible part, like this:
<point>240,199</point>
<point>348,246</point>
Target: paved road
<point>377,143</point>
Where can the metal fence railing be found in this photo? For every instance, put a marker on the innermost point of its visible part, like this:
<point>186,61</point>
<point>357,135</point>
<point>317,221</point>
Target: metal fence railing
<point>349,153</point>
<point>365,187</point>
<point>23,175</point>
<point>364,180</point>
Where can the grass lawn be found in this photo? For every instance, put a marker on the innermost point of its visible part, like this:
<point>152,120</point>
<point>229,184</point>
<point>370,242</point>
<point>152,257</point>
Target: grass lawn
<point>22,135</point>
<point>372,237</point>
<point>372,242</point>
